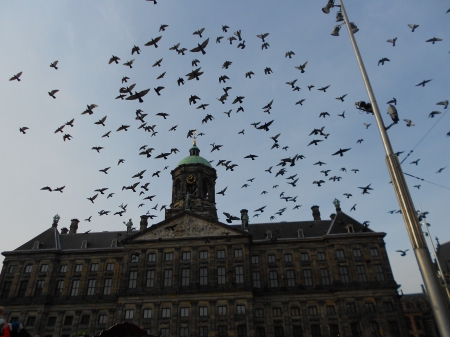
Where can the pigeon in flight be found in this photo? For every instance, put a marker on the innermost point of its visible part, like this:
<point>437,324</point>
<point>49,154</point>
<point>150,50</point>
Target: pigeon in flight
<point>392,41</point>
<point>403,252</point>
<point>434,39</point>
<point>412,26</point>
<point>201,47</point>
<point>53,65</point>
<point>422,83</point>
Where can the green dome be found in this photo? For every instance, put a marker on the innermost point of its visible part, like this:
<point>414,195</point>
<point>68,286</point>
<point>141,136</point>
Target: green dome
<point>194,158</point>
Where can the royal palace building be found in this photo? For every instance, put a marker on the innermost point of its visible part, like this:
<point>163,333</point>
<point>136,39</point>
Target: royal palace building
<point>191,275</point>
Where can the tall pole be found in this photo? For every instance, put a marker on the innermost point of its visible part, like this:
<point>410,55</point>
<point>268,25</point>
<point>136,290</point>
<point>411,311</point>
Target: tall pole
<point>426,267</point>
<point>441,274</point>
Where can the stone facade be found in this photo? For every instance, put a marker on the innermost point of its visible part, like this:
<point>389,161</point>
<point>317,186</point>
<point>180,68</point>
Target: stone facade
<point>191,275</point>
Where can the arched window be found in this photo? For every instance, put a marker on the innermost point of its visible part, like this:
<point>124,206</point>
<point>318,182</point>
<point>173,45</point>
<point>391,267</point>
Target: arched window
<point>205,188</point>
<point>177,187</point>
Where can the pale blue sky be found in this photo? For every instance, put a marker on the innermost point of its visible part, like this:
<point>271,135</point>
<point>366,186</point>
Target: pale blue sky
<point>83,35</point>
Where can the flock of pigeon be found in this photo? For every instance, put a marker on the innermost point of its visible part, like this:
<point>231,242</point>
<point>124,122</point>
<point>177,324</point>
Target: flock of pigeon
<point>127,91</point>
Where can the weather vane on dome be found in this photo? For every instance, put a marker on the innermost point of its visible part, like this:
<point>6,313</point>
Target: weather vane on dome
<point>195,137</point>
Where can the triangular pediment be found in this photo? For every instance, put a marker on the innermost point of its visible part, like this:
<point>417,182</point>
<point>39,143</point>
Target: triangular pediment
<point>186,225</point>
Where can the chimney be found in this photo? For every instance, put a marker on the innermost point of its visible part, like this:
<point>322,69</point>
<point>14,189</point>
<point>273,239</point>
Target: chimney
<point>332,216</point>
<point>64,230</point>
<point>74,226</point>
<point>316,213</point>
<point>144,222</point>
<point>244,218</point>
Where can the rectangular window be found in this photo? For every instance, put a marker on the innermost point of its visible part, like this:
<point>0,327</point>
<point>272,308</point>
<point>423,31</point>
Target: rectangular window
<point>134,258</point>
<point>312,310</point>
<point>271,258</point>
<point>273,278</point>
<point>379,275</point>
<point>51,321</point>
<point>203,274</point>
<point>222,310</point>
<point>259,313</point>
<point>184,312</point>
<point>151,257</point>
<point>107,287</point>
<point>91,287</point>
<point>325,276</point>
<point>256,277</point>
<point>203,311</point>
<point>165,332</point>
<point>255,259</point>
<point>147,313</point>
<point>295,311</point>
<point>94,267</point>
<point>59,288</point>
<point>307,277</point>
<point>6,288</point>
<point>238,253</point>
<point>305,257</point>
<point>340,254</point>
<point>78,268</point>
<point>356,331</point>
<point>85,320</point>
<point>133,279</point>
<point>184,332</point>
<point>290,276</point>
<point>239,274</point>
<point>287,257</point>
<point>203,255</point>
<point>12,269</point>
<point>221,275</point>
<point>277,312</point>
<point>242,330</point>
<point>279,331</point>
<point>260,332</point>
<point>343,271</point>
<point>321,256</point>
<point>221,254</point>
<point>351,308</point>
<point>375,329</point>
<point>63,268</point>
<point>75,287</point>
<point>165,312</point>
<point>129,314</point>
<point>222,331</point>
<point>102,319</point>
<point>28,268</point>
<point>168,257</point>
<point>357,253</point>
<point>369,306</point>
<point>240,309</point>
<point>393,326</point>
<point>334,330</point>
<point>186,256</point>
<point>331,310</point>
<point>110,266</point>
<point>68,320</point>
<point>22,288</point>
<point>202,331</point>
<point>44,268</point>
<point>150,281</point>
<point>374,252</point>
<point>167,277</point>
<point>31,321</point>
<point>39,287</point>
<point>362,277</point>
<point>388,307</point>
<point>185,276</point>
<point>315,330</point>
<point>297,331</point>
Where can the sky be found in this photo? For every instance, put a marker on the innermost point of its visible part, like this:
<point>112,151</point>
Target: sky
<point>84,35</point>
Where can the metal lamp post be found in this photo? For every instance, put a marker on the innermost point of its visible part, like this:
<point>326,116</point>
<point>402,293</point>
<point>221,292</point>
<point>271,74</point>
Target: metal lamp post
<point>427,269</point>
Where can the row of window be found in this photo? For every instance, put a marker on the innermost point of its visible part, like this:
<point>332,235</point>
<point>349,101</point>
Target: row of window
<point>238,253</point>
<point>62,269</point>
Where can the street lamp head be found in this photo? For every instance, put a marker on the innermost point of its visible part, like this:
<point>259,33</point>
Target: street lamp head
<point>327,8</point>
<point>367,107</point>
<point>392,111</point>
<point>339,17</point>
<point>336,30</point>
<point>353,27</point>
